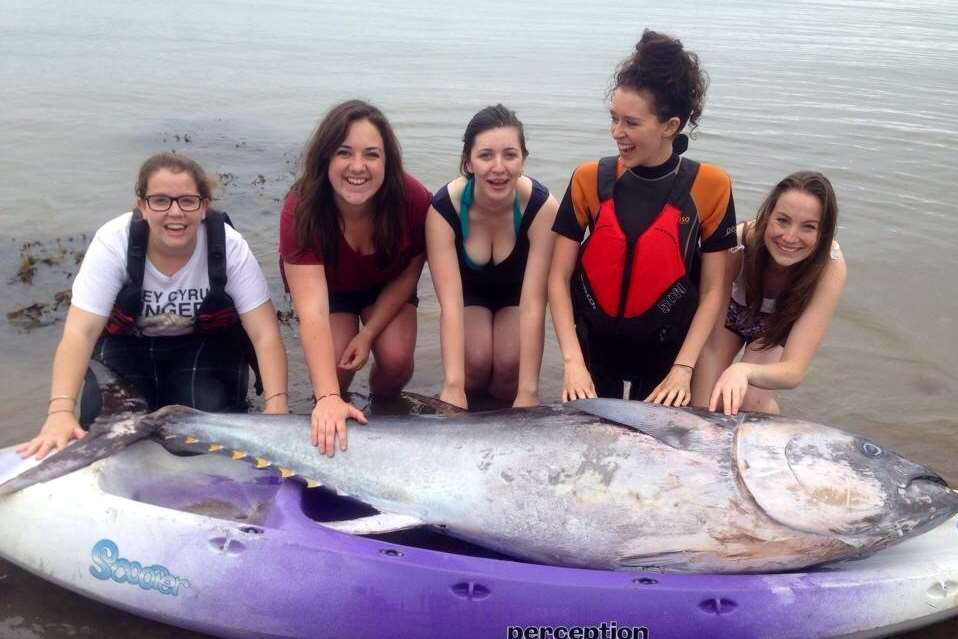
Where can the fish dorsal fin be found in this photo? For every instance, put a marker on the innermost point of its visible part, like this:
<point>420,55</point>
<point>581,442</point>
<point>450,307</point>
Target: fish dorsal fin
<point>680,428</point>
<point>374,524</point>
<point>797,473</point>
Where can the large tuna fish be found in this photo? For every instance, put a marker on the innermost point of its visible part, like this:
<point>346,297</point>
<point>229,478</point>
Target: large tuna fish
<point>594,483</point>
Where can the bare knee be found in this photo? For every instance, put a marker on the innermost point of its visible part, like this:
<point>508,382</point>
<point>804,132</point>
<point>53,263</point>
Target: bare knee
<point>392,369</point>
<point>760,401</point>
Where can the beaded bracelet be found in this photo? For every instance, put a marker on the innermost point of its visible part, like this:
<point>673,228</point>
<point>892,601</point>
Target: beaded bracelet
<point>61,410</point>
<point>279,394</point>
<point>691,368</point>
<point>56,397</point>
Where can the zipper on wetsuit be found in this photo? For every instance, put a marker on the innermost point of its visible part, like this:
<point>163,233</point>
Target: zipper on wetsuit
<point>626,279</point>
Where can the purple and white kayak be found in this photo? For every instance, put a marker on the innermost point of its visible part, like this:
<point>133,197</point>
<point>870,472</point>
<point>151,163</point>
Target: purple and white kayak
<point>220,547</point>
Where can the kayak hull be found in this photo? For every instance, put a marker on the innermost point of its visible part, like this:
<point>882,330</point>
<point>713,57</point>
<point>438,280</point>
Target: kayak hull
<point>216,546</point>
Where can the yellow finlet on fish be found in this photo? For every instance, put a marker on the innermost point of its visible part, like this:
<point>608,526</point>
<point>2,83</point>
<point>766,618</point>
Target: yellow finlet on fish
<point>286,473</point>
<point>238,454</point>
<point>191,440</point>
<point>312,483</point>
<point>215,447</point>
<point>262,463</point>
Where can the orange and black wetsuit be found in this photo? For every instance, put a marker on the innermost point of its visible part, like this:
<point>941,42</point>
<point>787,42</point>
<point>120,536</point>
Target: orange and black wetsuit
<point>635,286</point>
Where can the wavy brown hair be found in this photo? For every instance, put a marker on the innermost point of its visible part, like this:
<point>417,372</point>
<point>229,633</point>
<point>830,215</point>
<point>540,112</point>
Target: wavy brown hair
<point>662,67</point>
<point>802,277</point>
<point>317,216</point>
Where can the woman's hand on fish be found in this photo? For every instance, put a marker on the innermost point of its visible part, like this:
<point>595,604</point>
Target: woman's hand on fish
<point>58,430</point>
<point>356,352</point>
<point>675,389</point>
<point>329,423</point>
<point>731,388</point>
<point>577,383</point>
<point>455,395</point>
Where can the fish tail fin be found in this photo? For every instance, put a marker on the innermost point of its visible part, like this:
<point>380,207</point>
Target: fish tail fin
<point>116,414</point>
<point>105,437</point>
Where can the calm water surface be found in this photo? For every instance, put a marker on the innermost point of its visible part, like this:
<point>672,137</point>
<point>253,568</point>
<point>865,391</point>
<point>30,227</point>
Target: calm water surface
<point>861,90</point>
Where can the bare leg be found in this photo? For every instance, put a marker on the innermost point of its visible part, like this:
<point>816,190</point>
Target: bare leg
<point>505,354</point>
<point>478,346</point>
<point>393,351</point>
<point>344,327</point>
<point>717,355</point>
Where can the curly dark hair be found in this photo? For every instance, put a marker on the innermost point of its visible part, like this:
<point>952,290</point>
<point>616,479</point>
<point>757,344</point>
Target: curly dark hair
<point>317,216</point>
<point>662,67</point>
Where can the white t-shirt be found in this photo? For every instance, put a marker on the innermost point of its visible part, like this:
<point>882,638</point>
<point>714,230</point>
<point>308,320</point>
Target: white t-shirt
<point>169,302</point>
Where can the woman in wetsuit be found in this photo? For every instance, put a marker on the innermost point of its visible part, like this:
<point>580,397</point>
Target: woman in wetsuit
<point>787,275</point>
<point>637,299</point>
<point>171,298</point>
<point>489,242</point>
<point>352,245</point>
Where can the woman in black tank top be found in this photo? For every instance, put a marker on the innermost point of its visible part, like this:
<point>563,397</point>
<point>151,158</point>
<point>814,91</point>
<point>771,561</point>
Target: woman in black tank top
<point>489,246</point>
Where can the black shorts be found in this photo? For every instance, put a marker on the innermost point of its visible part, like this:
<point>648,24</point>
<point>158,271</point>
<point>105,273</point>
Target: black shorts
<point>353,302</point>
<point>208,371</point>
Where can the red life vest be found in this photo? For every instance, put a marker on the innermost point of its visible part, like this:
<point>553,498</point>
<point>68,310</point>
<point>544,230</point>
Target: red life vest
<point>644,286</point>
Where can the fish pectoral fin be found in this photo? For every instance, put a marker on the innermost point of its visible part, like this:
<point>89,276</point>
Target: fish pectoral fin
<point>374,524</point>
<point>680,428</point>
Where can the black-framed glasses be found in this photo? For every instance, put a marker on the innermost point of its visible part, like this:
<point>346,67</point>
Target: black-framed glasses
<point>160,203</point>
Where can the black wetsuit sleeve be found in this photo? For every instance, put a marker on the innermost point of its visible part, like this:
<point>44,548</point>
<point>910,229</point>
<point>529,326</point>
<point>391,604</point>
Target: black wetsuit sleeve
<point>723,237</point>
<point>566,223</point>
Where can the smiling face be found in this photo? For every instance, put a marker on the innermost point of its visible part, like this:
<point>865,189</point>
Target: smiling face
<point>172,232</point>
<point>642,138</point>
<point>496,160</point>
<point>358,166</point>
<point>793,227</point>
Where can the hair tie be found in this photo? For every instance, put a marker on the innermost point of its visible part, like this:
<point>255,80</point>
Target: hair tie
<point>680,144</point>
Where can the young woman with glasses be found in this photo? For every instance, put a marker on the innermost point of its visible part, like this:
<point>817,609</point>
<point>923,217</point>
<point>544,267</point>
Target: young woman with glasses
<point>171,298</point>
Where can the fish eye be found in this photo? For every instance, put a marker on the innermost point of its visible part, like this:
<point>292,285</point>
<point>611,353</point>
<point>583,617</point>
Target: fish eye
<point>872,450</point>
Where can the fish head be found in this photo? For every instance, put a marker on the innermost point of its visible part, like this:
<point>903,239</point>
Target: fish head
<point>825,481</point>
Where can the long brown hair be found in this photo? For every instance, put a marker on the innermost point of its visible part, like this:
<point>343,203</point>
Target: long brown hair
<point>317,216</point>
<point>802,277</point>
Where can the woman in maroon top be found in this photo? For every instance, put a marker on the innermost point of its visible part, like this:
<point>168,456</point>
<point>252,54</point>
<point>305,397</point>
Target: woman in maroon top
<point>352,244</point>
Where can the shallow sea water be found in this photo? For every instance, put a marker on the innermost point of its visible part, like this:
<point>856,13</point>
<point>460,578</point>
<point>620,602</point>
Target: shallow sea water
<point>861,90</point>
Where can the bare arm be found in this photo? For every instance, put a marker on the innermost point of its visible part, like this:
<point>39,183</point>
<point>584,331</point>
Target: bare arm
<point>800,347</point>
<point>675,389</point>
<point>390,301</point>
<point>307,286</point>
<point>263,330</point>
<point>80,332</point>
<point>444,268</point>
<point>532,303</point>
<point>577,383</point>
